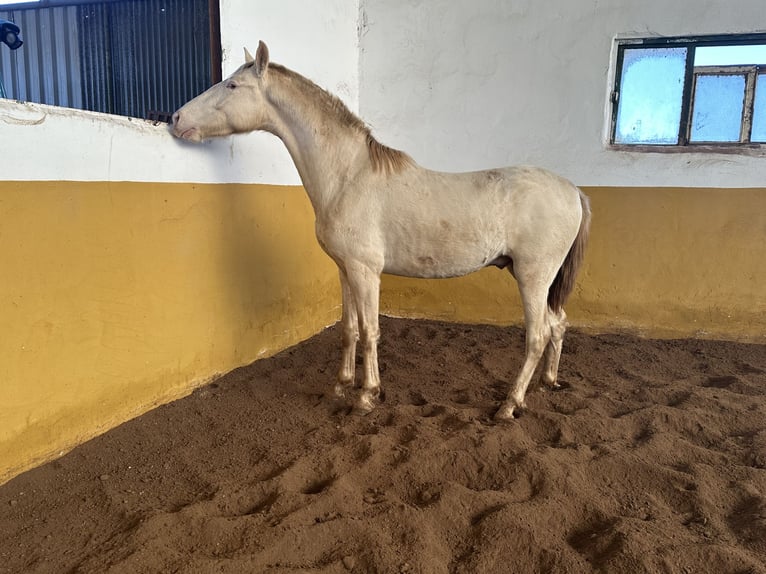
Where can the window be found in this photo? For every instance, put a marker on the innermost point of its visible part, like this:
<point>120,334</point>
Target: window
<point>138,58</point>
<point>688,93</point>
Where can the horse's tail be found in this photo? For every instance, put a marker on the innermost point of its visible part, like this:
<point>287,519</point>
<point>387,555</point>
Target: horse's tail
<point>564,282</point>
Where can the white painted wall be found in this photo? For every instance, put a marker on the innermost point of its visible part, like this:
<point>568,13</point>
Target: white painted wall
<point>471,84</point>
<point>318,39</point>
<point>459,84</point>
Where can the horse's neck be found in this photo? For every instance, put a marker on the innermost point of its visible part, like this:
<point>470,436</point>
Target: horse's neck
<point>324,148</point>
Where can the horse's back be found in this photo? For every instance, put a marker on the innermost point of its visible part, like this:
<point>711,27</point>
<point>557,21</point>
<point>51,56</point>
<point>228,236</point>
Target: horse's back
<point>498,200</point>
<point>525,184</point>
<point>435,224</point>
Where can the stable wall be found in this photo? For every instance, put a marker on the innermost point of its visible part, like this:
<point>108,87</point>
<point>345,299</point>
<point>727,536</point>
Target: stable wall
<point>136,267</point>
<point>121,296</point>
<point>678,239</point>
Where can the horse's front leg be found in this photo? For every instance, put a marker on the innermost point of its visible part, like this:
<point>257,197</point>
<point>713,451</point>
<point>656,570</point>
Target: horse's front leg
<point>364,284</point>
<point>349,337</point>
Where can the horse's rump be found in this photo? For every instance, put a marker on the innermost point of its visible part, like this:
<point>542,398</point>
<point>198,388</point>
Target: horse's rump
<point>564,282</point>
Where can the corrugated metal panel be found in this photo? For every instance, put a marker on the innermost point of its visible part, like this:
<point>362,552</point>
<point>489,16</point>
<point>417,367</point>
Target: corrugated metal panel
<point>46,69</point>
<point>162,59</point>
<point>95,51</point>
<point>128,57</point>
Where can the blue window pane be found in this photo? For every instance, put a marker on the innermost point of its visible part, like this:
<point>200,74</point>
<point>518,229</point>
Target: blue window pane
<point>651,91</point>
<point>759,110</point>
<point>746,55</point>
<point>718,102</point>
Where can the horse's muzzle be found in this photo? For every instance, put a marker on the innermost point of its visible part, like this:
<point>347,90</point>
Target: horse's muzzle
<point>189,133</point>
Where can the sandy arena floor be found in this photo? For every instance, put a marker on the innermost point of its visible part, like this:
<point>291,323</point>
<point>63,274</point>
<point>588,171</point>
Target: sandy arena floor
<point>652,459</point>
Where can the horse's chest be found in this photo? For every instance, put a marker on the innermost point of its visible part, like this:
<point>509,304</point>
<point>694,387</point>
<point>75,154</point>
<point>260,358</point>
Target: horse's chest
<point>343,240</point>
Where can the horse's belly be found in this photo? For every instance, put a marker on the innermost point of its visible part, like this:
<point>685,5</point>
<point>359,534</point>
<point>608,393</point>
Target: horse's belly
<point>426,269</point>
<point>435,263</point>
<point>442,247</point>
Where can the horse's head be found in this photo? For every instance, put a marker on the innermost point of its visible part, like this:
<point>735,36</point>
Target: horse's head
<point>235,105</point>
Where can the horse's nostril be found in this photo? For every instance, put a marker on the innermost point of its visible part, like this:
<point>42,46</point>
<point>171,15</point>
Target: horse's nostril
<point>175,118</point>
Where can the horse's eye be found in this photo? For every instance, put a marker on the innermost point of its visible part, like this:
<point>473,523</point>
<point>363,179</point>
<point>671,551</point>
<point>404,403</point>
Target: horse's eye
<point>231,85</point>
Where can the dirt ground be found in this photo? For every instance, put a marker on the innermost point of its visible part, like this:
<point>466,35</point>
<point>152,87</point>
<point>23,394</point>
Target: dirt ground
<point>652,459</point>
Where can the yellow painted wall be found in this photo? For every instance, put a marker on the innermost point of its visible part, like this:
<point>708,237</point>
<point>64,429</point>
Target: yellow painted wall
<point>115,297</point>
<point>664,262</point>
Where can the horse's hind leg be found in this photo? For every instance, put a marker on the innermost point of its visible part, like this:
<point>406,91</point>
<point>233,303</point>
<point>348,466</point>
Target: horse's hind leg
<point>538,333</point>
<point>349,337</point>
<point>558,325</point>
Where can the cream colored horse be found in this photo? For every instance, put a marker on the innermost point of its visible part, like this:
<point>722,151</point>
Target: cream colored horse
<point>377,212</point>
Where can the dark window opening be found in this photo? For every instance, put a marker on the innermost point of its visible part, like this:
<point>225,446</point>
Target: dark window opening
<point>137,58</point>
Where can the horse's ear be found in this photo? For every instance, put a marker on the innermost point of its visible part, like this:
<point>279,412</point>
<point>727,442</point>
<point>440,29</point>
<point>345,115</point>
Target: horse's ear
<point>261,59</point>
<point>248,57</point>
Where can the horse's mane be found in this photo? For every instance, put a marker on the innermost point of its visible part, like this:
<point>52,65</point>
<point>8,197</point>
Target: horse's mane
<point>383,158</point>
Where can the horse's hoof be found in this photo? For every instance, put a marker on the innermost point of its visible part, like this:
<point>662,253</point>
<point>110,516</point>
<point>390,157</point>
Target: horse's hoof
<point>364,405</point>
<point>504,414</point>
<point>339,392</point>
<point>362,409</point>
<point>507,412</point>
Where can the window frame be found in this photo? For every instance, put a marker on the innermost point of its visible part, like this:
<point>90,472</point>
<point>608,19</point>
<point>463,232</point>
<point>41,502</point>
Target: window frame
<point>683,143</point>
